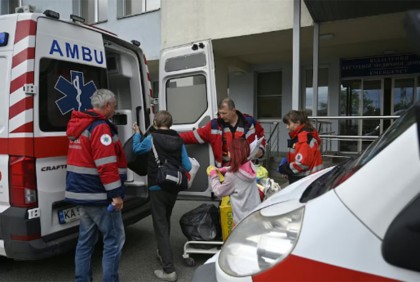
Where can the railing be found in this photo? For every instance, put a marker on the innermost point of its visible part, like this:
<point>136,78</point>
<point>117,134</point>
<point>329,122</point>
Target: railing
<point>271,129</point>
<point>327,127</point>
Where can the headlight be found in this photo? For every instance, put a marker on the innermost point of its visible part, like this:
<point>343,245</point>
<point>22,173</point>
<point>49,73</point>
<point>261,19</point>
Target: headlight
<point>261,240</point>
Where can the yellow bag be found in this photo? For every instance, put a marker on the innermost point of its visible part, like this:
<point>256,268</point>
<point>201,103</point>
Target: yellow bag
<point>226,217</point>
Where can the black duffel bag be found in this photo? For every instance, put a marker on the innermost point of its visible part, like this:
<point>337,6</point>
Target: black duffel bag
<point>135,162</point>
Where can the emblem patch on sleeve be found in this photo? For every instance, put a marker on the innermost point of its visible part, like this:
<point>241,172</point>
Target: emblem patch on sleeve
<point>106,139</point>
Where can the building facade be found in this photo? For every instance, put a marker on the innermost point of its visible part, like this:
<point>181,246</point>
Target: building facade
<point>366,66</point>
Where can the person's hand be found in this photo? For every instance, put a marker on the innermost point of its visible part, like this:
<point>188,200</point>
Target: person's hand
<point>211,170</point>
<point>135,127</point>
<point>118,203</point>
<point>223,170</point>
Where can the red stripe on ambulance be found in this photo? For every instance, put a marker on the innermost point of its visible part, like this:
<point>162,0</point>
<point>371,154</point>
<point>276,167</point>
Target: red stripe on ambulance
<point>22,61</point>
<point>295,268</point>
<point>44,146</point>
<point>24,29</point>
<point>150,83</point>
<point>26,54</point>
<point>21,106</point>
<point>18,82</point>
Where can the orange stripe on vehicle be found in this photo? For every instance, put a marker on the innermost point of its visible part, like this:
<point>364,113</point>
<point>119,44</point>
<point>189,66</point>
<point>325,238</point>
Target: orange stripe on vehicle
<point>26,54</point>
<point>24,29</point>
<point>295,268</point>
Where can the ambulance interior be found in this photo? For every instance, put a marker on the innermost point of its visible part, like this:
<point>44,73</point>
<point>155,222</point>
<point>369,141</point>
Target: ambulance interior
<point>124,79</point>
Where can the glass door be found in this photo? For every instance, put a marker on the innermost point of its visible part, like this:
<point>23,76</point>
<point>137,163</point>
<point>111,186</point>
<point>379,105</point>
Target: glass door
<point>402,94</point>
<point>360,98</point>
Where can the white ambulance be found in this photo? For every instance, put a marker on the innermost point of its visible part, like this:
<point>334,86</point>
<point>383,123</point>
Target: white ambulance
<point>357,221</point>
<point>48,68</point>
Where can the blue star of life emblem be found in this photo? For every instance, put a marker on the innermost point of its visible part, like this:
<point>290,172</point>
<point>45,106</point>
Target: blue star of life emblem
<point>76,93</point>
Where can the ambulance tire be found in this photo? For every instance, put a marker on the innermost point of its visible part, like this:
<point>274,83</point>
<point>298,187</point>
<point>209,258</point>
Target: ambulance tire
<point>189,262</point>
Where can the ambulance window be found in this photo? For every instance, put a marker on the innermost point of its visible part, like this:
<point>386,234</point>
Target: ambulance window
<point>64,86</point>
<point>185,62</point>
<point>186,98</point>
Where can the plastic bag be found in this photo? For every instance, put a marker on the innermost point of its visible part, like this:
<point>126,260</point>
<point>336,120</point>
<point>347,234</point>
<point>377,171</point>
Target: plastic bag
<point>202,223</point>
<point>195,166</point>
<point>270,187</point>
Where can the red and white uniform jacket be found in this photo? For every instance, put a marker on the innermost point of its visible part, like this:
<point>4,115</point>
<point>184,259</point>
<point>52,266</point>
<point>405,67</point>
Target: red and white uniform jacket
<point>96,164</point>
<point>219,135</point>
<point>304,155</point>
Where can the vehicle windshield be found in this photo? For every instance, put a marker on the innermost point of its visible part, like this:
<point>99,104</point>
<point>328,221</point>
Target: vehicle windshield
<point>344,170</point>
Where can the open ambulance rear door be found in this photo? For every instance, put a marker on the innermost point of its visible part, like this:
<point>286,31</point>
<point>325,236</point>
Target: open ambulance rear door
<point>188,91</point>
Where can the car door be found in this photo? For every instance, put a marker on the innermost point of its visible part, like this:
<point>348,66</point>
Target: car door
<point>188,91</point>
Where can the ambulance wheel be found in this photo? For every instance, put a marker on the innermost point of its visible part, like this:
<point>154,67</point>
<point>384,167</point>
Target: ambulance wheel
<point>189,261</point>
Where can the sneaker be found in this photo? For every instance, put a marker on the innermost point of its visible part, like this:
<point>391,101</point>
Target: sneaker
<point>158,256</point>
<point>166,276</point>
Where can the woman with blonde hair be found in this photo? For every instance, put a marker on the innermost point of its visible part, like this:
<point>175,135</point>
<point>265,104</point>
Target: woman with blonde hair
<point>170,147</point>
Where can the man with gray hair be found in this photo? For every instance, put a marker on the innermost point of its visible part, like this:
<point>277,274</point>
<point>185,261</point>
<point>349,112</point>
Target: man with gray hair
<point>96,171</point>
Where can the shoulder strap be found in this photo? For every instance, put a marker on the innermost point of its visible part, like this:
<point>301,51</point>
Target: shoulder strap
<point>155,153</point>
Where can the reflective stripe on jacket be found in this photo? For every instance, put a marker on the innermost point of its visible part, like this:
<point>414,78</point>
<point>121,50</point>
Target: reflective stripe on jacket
<point>216,129</point>
<point>96,164</point>
<point>304,155</point>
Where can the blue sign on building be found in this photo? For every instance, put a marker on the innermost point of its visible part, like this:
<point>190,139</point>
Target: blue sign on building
<point>380,66</point>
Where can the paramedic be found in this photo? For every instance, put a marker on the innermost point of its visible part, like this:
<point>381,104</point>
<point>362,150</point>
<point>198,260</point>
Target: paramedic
<point>304,155</point>
<point>220,132</point>
<point>168,147</point>
<point>96,170</point>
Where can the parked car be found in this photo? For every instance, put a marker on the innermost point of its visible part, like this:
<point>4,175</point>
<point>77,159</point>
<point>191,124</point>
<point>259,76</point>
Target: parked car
<point>359,220</point>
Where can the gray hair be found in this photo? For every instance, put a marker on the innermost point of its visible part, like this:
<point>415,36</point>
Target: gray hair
<point>228,102</point>
<point>101,97</point>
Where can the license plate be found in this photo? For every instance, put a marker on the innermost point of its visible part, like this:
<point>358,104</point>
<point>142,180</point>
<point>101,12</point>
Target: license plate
<point>68,215</point>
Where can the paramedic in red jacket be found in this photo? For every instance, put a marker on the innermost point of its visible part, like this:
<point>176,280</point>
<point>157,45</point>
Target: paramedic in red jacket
<point>304,155</point>
<point>96,170</point>
<point>220,131</point>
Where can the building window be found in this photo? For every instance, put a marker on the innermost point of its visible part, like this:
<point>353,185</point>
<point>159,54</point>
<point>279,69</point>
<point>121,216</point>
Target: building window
<point>322,102</point>
<point>93,11</point>
<point>269,94</point>
<point>134,7</point>
<point>8,7</point>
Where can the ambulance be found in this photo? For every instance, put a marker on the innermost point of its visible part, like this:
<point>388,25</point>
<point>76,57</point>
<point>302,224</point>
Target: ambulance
<point>356,221</point>
<point>49,67</point>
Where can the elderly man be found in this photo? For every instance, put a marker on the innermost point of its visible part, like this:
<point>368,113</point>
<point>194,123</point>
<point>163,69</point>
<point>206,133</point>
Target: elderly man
<point>220,132</point>
<point>96,170</point>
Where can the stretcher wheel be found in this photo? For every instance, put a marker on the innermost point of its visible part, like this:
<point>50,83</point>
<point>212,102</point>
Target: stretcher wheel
<point>189,261</point>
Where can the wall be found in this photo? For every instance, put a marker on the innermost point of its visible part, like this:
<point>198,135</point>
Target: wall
<point>185,21</point>
<point>62,7</point>
<point>144,28</point>
<point>241,90</point>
